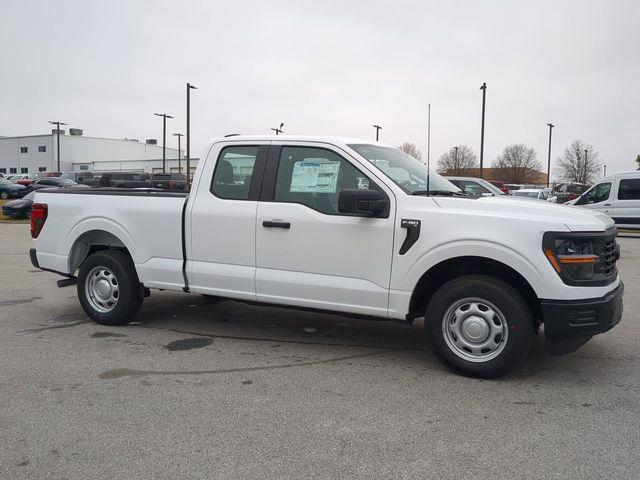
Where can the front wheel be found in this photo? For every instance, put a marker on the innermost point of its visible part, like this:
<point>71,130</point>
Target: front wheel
<point>4,195</point>
<point>480,326</point>
<point>108,288</point>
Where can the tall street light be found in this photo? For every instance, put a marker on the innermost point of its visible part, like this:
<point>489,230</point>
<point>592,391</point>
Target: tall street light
<point>189,88</point>
<point>57,124</point>
<point>164,137</point>
<point>378,128</point>
<point>456,158</point>
<point>605,171</point>
<point>551,125</point>
<point>278,130</point>
<point>584,179</point>
<point>179,135</point>
<point>484,99</point>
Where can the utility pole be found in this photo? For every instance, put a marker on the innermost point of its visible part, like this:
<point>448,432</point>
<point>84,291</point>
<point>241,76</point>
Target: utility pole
<point>279,130</point>
<point>57,124</point>
<point>378,128</point>
<point>428,147</point>
<point>584,178</point>
<point>456,158</point>
<point>164,137</point>
<point>189,88</point>
<point>179,135</point>
<point>484,99</point>
<point>551,125</point>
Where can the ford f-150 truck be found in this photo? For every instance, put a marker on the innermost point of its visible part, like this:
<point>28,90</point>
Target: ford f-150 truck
<point>344,226</point>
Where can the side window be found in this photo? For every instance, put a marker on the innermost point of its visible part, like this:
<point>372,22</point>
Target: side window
<point>314,177</point>
<point>597,194</point>
<point>629,189</point>
<point>472,188</point>
<point>234,169</point>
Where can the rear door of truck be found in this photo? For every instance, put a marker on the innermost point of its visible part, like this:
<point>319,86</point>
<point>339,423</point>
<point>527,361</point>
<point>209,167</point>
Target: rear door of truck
<point>221,220</point>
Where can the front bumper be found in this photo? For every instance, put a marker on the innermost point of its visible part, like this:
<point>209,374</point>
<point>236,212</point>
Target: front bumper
<point>582,319</point>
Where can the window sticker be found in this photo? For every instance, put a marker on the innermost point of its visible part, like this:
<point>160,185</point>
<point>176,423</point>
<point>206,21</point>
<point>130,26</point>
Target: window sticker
<point>315,177</point>
<point>363,183</point>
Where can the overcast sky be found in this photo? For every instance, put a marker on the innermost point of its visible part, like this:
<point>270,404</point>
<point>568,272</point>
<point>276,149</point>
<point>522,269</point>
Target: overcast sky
<point>330,68</point>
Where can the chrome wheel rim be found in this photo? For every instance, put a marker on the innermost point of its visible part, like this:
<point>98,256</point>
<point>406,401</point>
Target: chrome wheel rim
<point>102,289</point>
<point>475,329</point>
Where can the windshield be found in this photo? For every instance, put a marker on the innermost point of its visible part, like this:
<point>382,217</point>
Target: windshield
<point>520,193</point>
<point>405,171</point>
<point>66,181</point>
<point>5,182</point>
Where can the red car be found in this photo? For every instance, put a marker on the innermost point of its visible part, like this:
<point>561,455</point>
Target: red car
<point>28,179</point>
<point>500,185</point>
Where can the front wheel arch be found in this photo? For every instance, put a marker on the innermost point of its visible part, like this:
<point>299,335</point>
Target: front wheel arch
<point>453,268</point>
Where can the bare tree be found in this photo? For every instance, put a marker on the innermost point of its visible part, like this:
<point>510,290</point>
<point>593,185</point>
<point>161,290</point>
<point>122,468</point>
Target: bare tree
<point>518,164</point>
<point>411,149</point>
<point>457,160</point>
<point>579,163</point>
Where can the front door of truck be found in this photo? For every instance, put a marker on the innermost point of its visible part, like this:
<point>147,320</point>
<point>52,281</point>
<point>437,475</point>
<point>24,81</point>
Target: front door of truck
<point>307,253</point>
<point>221,238</point>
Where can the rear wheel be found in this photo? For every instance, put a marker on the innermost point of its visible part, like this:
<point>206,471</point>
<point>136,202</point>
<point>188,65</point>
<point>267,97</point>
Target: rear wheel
<point>480,326</point>
<point>108,288</point>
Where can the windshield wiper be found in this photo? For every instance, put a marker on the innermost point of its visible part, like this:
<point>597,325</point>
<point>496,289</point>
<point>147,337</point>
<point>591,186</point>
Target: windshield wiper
<point>449,193</point>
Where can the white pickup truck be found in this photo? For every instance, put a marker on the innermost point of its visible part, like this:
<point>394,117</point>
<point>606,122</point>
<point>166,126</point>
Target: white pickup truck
<point>345,226</point>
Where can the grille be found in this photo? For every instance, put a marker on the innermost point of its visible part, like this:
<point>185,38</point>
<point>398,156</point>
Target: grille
<point>608,254</point>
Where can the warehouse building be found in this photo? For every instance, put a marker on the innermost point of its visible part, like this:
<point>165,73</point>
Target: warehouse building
<point>38,154</point>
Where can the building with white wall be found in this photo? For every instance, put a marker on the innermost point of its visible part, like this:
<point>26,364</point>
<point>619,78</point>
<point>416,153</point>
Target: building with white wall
<point>38,153</point>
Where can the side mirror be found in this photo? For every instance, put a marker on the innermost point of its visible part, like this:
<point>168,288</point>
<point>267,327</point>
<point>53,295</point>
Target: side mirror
<point>364,203</point>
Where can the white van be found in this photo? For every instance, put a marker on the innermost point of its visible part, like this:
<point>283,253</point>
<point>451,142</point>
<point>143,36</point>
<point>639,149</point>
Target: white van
<point>618,196</point>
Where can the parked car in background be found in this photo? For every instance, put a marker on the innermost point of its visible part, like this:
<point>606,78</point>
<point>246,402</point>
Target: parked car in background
<point>534,194</point>
<point>176,182</point>
<point>500,185</point>
<point>476,187</point>
<point>513,186</point>
<point>8,189</point>
<point>20,208</point>
<point>618,196</point>
<point>28,179</point>
<point>60,182</point>
<point>123,180</point>
<point>82,177</point>
<point>565,192</point>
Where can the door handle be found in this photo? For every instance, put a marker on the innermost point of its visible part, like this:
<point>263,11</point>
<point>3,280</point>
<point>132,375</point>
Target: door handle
<point>607,204</point>
<point>274,224</point>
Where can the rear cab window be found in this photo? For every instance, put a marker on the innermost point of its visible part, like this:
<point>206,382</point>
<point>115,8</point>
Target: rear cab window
<point>629,189</point>
<point>234,171</point>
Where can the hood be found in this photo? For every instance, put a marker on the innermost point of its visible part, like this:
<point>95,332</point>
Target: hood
<point>575,219</point>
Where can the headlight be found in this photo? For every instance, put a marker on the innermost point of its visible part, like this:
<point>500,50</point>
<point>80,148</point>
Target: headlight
<point>575,257</point>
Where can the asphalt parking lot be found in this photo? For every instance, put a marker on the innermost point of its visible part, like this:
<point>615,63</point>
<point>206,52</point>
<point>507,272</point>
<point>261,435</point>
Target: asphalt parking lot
<point>204,389</point>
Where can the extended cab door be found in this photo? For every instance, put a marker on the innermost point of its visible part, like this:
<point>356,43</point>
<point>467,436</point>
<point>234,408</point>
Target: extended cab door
<point>221,246</point>
<point>626,206</point>
<point>598,198</point>
<point>310,255</point>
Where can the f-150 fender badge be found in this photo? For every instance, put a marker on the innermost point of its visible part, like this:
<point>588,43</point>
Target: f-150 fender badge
<point>413,233</point>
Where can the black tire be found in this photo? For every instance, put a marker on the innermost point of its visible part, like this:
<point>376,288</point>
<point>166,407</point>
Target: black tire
<point>130,293</point>
<point>512,348</point>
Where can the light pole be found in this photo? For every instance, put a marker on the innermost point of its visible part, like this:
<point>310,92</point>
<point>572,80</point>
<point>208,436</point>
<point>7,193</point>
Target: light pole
<point>189,88</point>
<point>584,178</point>
<point>164,137</point>
<point>179,135</point>
<point>484,99</point>
<point>605,171</point>
<point>57,124</point>
<point>551,125</point>
<point>378,128</point>
<point>456,158</point>
<point>278,130</point>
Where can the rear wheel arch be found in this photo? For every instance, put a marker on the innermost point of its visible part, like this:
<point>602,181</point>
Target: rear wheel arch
<point>90,242</point>
<point>453,268</point>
